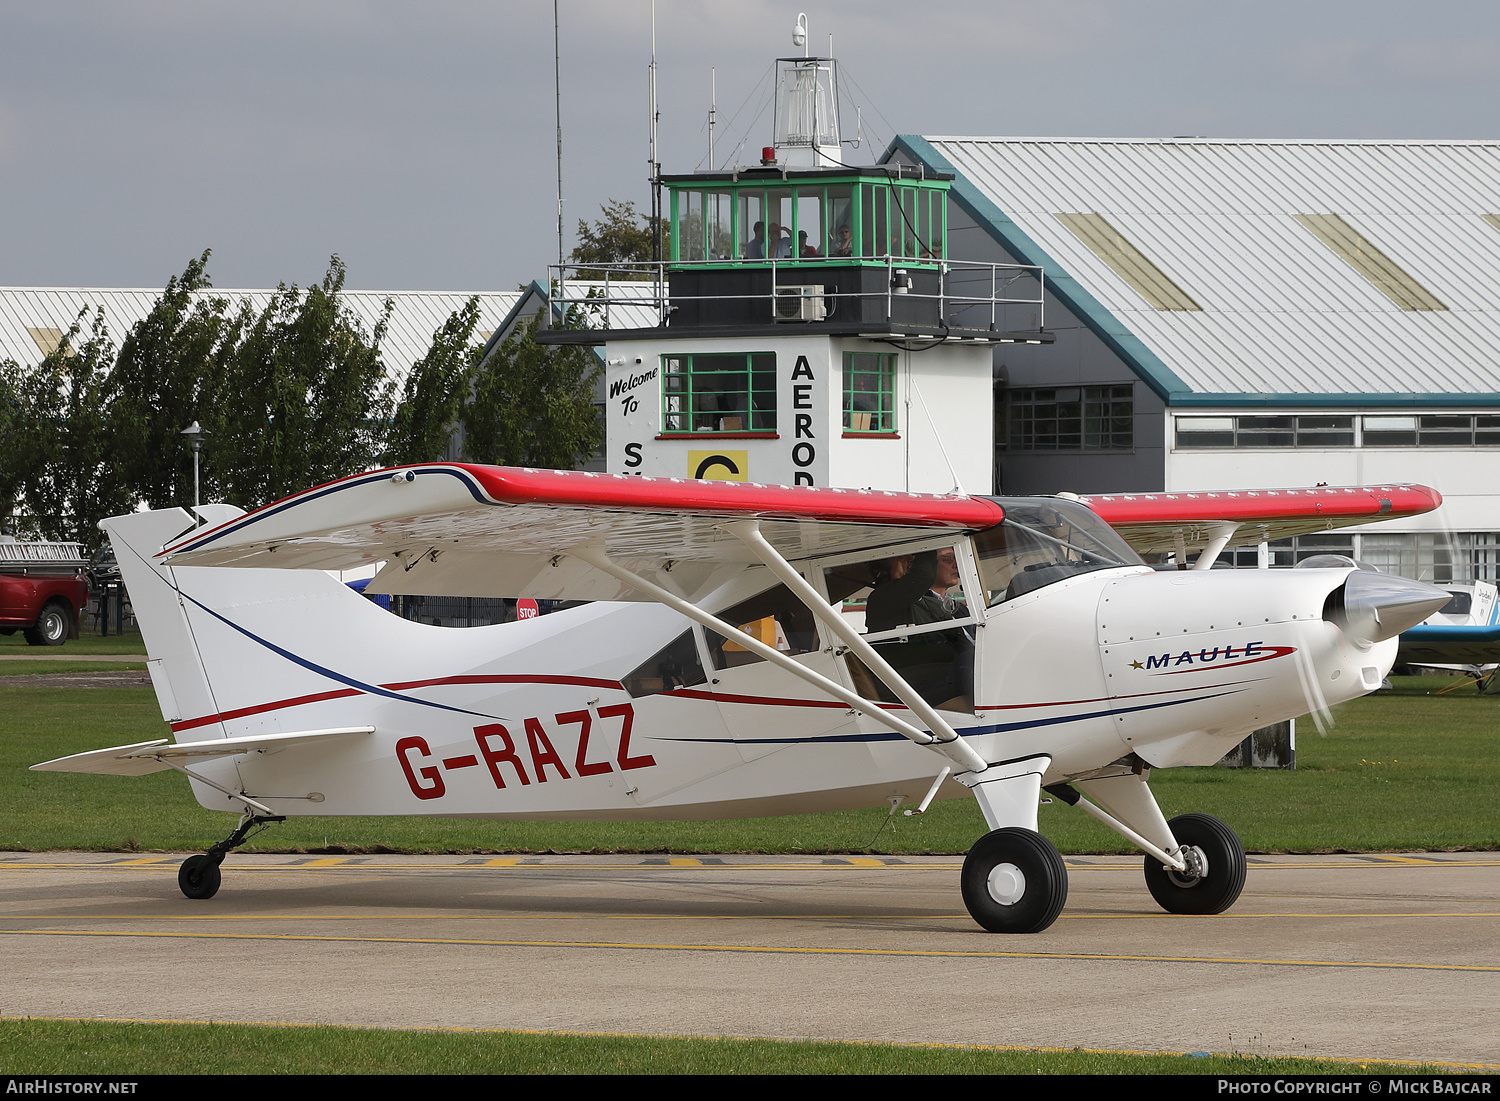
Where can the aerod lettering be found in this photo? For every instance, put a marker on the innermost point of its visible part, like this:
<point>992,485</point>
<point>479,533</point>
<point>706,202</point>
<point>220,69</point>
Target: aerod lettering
<point>804,454</point>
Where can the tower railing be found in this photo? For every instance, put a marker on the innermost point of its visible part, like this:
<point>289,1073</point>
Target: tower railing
<point>961,294</point>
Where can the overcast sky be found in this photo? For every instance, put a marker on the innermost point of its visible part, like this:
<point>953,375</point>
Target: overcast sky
<point>417,140</point>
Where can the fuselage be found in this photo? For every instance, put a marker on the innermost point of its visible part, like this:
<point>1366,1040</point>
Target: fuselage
<point>628,711</point>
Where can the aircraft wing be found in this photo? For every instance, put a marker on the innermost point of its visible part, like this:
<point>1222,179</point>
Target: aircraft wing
<point>142,758</point>
<point>464,530</point>
<point>1184,522</point>
<point>1443,644</point>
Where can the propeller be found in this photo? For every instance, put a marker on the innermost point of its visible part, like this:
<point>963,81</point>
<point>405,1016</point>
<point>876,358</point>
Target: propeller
<point>1371,607</point>
<point>1368,607</point>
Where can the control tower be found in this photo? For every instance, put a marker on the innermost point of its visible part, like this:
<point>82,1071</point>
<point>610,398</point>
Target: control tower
<point>806,326</point>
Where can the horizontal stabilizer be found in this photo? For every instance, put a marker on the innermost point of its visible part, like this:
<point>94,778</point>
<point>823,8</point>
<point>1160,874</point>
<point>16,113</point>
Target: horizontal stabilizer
<point>141,758</point>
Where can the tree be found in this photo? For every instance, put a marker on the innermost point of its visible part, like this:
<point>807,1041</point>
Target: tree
<point>69,479</point>
<point>435,394</point>
<point>305,398</point>
<point>13,466</point>
<point>533,404</point>
<point>171,372</point>
<point>622,236</point>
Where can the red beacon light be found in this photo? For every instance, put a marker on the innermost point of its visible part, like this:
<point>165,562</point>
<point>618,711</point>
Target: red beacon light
<point>768,155</point>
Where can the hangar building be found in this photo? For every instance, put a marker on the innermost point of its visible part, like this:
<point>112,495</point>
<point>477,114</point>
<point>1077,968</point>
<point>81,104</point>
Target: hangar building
<point>33,320</point>
<point>1245,314</point>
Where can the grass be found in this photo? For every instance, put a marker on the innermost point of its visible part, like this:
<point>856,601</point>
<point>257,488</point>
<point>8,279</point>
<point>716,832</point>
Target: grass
<point>34,1047</point>
<point>1400,771</point>
<point>89,642</point>
<point>21,668</point>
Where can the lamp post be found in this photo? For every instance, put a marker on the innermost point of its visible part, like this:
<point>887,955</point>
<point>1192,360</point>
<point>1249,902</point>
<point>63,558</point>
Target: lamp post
<point>195,436</point>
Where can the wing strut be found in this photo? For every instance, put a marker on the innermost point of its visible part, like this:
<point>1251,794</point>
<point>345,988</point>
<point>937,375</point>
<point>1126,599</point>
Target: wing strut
<point>1219,536</point>
<point>748,532</point>
<point>957,751</point>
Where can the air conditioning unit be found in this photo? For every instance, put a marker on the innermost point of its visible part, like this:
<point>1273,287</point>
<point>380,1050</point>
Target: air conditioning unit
<point>801,303</point>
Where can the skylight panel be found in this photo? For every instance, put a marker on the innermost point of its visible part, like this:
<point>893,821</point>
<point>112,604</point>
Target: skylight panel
<point>1127,261</point>
<point>1355,250</point>
<point>46,339</point>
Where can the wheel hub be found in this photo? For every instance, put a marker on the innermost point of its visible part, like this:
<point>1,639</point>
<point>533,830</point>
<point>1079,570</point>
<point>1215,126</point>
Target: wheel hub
<point>1007,884</point>
<point>1196,870</point>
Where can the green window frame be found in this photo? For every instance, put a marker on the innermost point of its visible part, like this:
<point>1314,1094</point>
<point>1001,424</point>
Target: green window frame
<point>717,393</point>
<point>904,220</point>
<point>869,393</point>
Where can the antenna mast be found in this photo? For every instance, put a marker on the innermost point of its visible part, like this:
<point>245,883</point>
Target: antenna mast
<point>655,164</point>
<point>557,81</point>
<point>713,96</point>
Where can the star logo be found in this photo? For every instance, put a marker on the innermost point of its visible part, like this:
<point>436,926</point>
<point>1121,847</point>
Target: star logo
<point>1136,665</point>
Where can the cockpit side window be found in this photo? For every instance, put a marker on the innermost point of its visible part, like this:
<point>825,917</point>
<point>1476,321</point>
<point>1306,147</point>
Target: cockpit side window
<point>774,617</point>
<point>675,665</point>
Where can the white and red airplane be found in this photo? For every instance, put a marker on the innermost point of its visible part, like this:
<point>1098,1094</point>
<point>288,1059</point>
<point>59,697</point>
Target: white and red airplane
<point>723,668</point>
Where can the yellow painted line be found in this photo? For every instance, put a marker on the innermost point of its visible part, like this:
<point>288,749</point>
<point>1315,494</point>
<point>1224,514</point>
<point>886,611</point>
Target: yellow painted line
<point>587,1034</point>
<point>685,862</point>
<point>762,949</point>
<point>867,862</point>
<point>501,862</point>
<point>326,862</point>
<point>142,860</point>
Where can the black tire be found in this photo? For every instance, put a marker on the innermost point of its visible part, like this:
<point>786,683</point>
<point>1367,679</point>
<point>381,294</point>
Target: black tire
<point>1209,894</point>
<point>199,877</point>
<point>1030,866</point>
<point>52,627</point>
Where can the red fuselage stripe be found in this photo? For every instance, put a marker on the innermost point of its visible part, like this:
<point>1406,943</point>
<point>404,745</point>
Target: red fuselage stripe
<point>296,701</point>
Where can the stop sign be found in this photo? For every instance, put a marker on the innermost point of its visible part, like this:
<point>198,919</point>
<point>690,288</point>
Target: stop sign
<point>526,608</point>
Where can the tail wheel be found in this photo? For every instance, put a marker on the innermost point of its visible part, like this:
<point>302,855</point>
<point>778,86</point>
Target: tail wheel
<point>1014,881</point>
<point>199,877</point>
<point>1215,875</point>
<point>51,628</point>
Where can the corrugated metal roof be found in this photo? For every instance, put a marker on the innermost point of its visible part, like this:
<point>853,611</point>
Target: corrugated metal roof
<point>417,315</point>
<point>1282,312</point>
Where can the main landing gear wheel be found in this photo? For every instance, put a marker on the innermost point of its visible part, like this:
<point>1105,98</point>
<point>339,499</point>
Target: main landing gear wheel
<point>1215,874</point>
<point>199,877</point>
<point>1014,881</point>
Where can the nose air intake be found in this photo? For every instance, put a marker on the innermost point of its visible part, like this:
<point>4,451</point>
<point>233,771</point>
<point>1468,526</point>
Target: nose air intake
<point>1372,607</point>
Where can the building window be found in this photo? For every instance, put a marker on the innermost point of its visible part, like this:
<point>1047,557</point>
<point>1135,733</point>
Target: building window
<point>1313,431</point>
<point>1451,430</point>
<point>1440,430</point>
<point>1435,557</point>
<point>719,393</point>
<point>1079,418</point>
<point>869,392</point>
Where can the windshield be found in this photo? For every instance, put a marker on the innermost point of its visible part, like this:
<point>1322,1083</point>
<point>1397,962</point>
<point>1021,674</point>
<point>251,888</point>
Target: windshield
<point>1042,541</point>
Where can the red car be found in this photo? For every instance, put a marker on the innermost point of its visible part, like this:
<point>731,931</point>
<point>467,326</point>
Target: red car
<point>42,591</point>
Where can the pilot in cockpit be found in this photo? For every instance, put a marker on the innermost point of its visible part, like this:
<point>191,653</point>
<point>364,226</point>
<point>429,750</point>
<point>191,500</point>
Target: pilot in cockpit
<point>913,590</point>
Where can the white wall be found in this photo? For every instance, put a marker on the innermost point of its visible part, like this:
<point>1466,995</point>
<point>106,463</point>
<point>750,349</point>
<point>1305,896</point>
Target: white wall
<point>949,409</point>
<point>1465,478</point>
